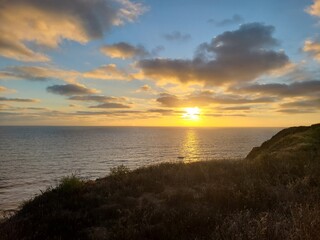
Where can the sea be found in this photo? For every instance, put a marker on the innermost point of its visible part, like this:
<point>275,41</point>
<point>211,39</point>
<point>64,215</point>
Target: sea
<point>33,159</point>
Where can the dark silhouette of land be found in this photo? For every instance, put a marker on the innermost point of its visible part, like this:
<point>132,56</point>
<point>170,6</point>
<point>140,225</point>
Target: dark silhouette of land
<point>272,194</point>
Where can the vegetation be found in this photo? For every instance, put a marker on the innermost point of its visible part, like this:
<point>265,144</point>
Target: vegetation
<point>256,198</point>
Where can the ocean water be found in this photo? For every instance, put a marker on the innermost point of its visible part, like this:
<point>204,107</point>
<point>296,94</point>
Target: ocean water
<point>34,158</point>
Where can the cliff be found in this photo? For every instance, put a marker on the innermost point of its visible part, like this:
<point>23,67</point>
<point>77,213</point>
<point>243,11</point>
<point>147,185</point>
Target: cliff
<point>291,143</point>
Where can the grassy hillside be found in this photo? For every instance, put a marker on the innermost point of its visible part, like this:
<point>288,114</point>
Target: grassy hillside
<point>256,198</point>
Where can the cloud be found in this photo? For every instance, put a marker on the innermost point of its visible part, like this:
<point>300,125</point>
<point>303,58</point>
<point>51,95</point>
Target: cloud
<point>110,105</point>
<point>310,103</point>
<point>112,113</point>
<point>48,23</point>
<point>314,9</point>
<point>38,73</point>
<point>105,102</point>
<point>15,49</point>
<point>204,99</point>
<point>107,72</point>
<point>71,89</point>
<point>4,99</point>
<point>124,50</point>
<point>236,19</point>
<point>313,48</point>
<point>96,98</point>
<point>232,57</point>
<point>4,106</point>
<point>294,89</point>
<point>234,108</point>
<point>155,51</point>
<point>165,112</point>
<point>296,111</point>
<point>3,89</point>
<point>169,100</point>
<point>145,88</point>
<point>177,36</point>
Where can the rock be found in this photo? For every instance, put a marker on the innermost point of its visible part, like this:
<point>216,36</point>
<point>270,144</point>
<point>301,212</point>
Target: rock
<point>290,144</point>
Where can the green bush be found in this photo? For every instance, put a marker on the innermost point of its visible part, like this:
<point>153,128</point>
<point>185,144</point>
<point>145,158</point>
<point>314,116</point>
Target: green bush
<point>70,184</point>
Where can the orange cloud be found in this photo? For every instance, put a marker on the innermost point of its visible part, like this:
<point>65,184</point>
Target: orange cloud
<point>107,72</point>
<point>314,9</point>
<point>313,48</point>
<point>124,50</point>
<point>3,89</point>
<point>205,99</point>
<point>47,23</point>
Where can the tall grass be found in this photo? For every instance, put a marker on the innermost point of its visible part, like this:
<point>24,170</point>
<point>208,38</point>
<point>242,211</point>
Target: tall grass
<point>245,199</point>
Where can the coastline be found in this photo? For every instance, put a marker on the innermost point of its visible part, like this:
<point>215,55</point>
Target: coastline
<point>273,193</point>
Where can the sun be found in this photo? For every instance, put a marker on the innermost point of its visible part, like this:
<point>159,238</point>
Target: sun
<point>192,113</point>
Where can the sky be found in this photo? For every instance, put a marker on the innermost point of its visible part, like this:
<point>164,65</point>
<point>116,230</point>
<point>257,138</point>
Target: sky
<point>206,63</point>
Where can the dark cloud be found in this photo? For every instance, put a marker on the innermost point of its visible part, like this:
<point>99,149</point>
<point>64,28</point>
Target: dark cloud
<point>309,103</point>
<point>70,89</point>
<point>4,99</point>
<point>234,108</point>
<point>115,113</point>
<point>124,50</point>
<point>177,36</point>
<point>8,114</point>
<point>165,112</point>
<point>77,20</point>
<point>110,105</point>
<point>37,73</point>
<point>168,100</point>
<point>105,102</point>
<point>304,88</point>
<point>13,108</point>
<point>96,98</point>
<point>155,51</point>
<point>232,57</point>
<point>36,108</point>
<point>236,19</point>
<point>296,111</point>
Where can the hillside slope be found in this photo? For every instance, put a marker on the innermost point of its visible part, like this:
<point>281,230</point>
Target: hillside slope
<point>272,194</point>
<point>291,143</point>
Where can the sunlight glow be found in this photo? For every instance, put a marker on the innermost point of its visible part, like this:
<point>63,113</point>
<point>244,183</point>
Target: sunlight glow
<point>192,114</point>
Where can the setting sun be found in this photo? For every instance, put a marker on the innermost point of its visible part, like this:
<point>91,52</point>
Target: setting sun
<point>191,113</point>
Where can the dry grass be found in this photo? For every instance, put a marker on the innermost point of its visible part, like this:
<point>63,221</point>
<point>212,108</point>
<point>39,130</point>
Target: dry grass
<point>262,199</point>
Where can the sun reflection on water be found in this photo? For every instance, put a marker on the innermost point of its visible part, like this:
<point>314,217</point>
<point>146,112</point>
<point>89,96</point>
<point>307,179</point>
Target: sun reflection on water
<point>190,146</point>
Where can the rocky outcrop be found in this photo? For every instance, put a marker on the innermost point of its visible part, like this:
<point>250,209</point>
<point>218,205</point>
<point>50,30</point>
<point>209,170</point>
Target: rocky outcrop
<point>291,143</point>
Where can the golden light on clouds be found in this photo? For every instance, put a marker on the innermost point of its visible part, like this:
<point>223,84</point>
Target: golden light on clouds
<point>54,55</point>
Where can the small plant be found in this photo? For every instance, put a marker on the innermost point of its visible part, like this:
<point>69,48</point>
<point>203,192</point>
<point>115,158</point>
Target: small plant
<point>119,171</point>
<point>70,184</point>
